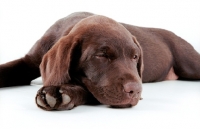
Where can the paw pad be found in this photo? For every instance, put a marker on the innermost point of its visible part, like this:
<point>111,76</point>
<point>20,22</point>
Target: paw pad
<point>51,98</point>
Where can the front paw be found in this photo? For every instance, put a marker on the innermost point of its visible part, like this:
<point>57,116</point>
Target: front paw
<point>54,98</point>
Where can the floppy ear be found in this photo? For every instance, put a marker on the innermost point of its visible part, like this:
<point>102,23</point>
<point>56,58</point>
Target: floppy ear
<point>140,65</point>
<point>55,64</point>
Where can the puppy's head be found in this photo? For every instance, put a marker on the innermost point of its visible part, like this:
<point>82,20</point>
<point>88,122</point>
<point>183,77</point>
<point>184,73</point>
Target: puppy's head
<point>102,55</point>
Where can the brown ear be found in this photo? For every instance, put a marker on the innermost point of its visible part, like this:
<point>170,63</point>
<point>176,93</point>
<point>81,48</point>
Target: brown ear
<point>140,65</point>
<point>55,64</point>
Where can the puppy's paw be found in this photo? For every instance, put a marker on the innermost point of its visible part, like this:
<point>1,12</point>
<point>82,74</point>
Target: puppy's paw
<point>54,98</point>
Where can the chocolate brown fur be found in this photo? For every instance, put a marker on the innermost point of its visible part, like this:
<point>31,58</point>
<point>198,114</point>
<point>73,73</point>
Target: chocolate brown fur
<point>84,57</point>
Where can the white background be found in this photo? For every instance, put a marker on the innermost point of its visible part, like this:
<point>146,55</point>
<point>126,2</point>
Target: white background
<point>22,22</point>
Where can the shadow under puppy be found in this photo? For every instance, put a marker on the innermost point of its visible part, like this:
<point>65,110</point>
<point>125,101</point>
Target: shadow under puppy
<point>86,58</point>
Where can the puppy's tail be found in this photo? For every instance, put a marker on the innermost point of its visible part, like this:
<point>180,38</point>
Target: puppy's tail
<point>18,72</point>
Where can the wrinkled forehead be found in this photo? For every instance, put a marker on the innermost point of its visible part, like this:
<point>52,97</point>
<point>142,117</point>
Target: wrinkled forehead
<point>111,43</point>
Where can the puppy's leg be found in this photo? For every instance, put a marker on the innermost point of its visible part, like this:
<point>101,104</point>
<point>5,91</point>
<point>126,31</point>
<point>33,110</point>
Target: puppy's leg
<point>22,71</point>
<point>18,72</point>
<point>64,97</point>
<point>187,60</point>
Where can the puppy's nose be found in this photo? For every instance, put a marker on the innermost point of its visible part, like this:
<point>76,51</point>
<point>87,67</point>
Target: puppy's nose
<point>132,88</point>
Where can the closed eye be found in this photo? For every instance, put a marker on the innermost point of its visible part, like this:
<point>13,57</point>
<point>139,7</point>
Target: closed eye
<point>101,55</point>
<point>105,52</point>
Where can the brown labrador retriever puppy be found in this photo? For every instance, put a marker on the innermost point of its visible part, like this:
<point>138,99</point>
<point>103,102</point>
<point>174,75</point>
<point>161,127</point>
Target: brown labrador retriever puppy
<point>86,58</point>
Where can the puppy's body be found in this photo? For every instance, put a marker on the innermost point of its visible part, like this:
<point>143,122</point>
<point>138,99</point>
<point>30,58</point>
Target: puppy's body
<point>160,47</point>
<point>165,57</point>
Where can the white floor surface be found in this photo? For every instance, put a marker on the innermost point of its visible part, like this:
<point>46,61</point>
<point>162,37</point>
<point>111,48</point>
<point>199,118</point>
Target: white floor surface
<point>165,105</point>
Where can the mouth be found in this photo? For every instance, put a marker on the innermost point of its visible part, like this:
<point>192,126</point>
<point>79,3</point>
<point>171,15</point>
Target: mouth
<point>132,102</point>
